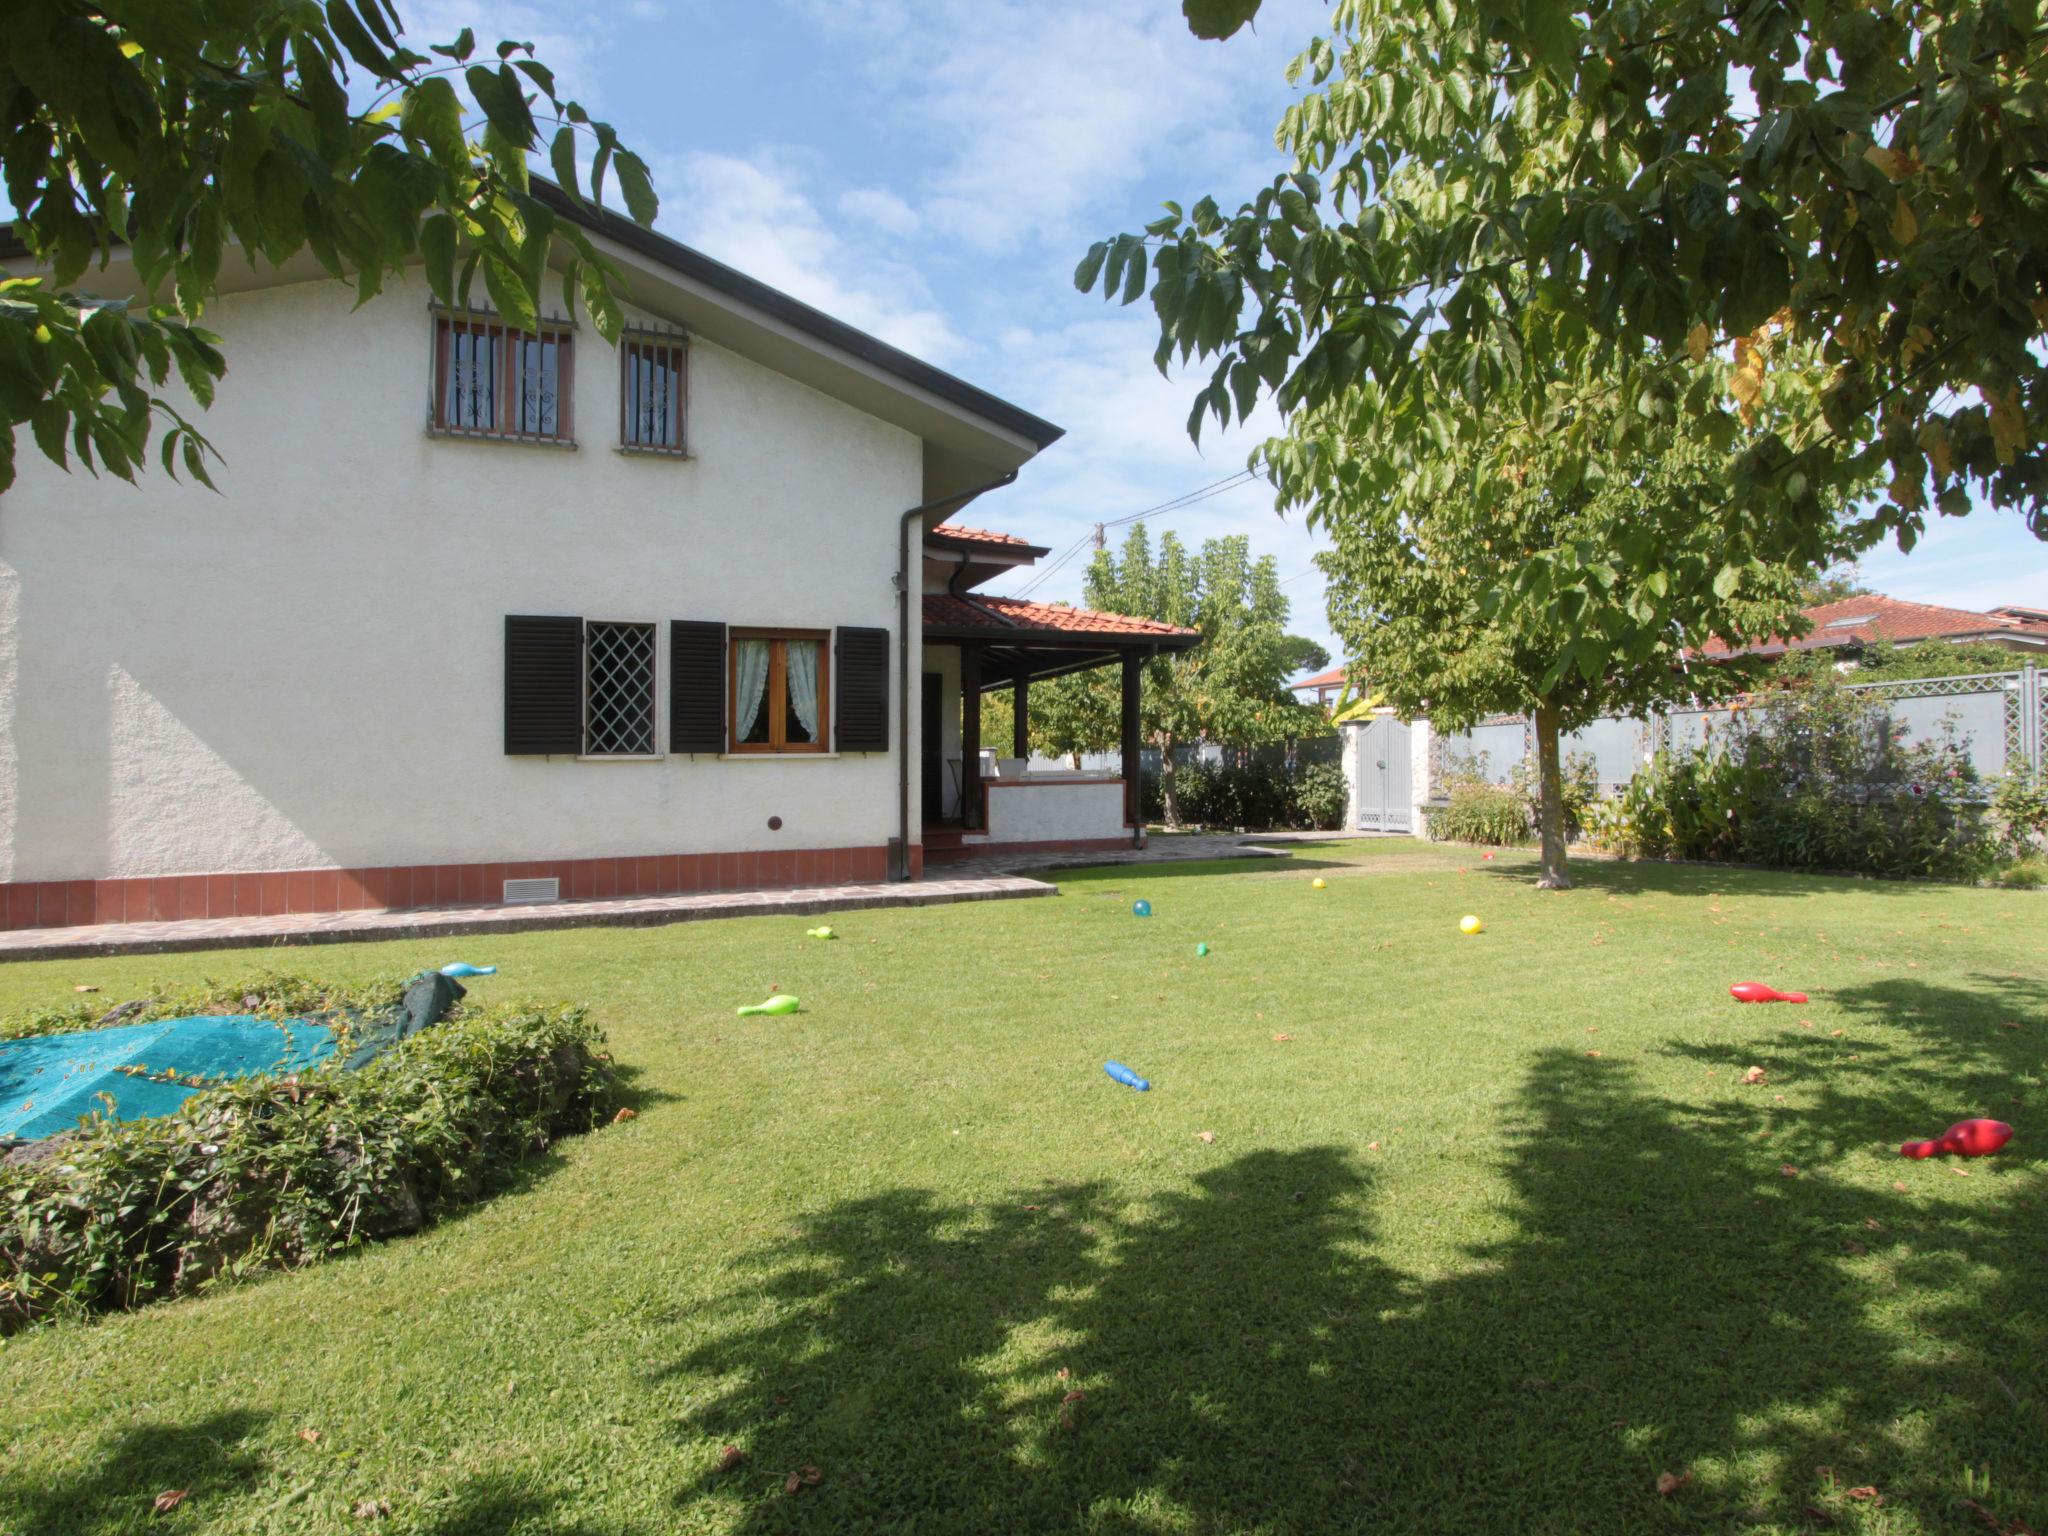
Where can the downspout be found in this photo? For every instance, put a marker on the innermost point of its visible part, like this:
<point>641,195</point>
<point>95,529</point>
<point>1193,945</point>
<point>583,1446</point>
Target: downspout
<point>904,592</point>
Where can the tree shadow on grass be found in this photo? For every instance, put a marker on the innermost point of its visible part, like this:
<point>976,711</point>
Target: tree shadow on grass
<point>505,1505</point>
<point>1645,876</point>
<point>1083,875</point>
<point>215,1458</point>
<point>1654,1295</point>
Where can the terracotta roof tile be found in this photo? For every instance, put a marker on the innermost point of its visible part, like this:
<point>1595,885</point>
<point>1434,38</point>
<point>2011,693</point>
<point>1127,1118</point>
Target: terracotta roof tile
<point>1875,619</point>
<point>959,535</point>
<point>1000,615</point>
<point>1334,678</point>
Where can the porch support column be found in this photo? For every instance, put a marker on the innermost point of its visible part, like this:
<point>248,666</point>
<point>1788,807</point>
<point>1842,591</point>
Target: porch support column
<point>970,737</point>
<point>1133,788</point>
<point>1020,717</point>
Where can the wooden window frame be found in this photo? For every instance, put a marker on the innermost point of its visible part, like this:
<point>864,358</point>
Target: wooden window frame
<point>777,743</point>
<point>635,344</point>
<point>448,322</point>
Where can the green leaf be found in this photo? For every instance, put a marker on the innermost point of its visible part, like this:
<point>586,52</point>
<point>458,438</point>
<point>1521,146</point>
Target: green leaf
<point>437,245</point>
<point>637,187</point>
<point>459,50</point>
<point>1552,36</point>
<point>1091,266</point>
<point>504,103</point>
<point>1726,580</point>
<point>432,116</point>
<point>562,157</point>
<point>1218,19</point>
<point>509,294</point>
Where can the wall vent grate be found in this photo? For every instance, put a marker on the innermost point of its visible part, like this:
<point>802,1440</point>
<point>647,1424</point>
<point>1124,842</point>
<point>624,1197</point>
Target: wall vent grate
<point>526,891</point>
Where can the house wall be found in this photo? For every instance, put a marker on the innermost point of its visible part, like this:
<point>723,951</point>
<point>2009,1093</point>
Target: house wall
<point>306,671</point>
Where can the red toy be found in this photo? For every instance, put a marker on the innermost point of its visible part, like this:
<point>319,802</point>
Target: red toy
<point>1966,1138</point>
<point>1757,992</point>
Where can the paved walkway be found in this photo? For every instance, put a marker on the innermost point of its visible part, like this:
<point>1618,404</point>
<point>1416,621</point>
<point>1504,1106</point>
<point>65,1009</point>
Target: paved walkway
<point>960,884</point>
<point>1178,849</point>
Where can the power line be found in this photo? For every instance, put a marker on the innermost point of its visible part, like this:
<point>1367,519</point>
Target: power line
<point>1096,536</point>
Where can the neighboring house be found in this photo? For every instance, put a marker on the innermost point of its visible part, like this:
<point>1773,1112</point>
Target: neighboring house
<point>480,615</point>
<point>1323,690</point>
<point>1848,626</point>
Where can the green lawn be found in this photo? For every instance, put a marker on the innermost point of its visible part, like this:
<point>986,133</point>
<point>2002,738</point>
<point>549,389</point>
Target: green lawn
<point>1497,1237</point>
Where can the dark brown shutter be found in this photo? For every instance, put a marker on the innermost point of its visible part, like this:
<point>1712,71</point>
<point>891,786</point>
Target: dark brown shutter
<point>696,686</point>
<point>863,668</point>
<point>543,685</point>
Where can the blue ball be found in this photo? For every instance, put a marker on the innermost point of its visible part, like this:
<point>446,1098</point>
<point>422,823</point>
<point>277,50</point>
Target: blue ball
<point>1141,908</point>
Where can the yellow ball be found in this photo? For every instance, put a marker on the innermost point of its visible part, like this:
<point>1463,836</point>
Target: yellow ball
<point>1317,882</point>
<point>1469,924</point>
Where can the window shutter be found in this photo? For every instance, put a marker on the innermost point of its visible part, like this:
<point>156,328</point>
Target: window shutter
<point>543,685</point>
<point>696,686</point>
<point>863,659</point>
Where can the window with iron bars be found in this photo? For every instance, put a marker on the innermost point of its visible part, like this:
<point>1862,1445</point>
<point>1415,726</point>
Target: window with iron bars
<point>618,690</point>
<point>654,393</point>
<point>493,380</point>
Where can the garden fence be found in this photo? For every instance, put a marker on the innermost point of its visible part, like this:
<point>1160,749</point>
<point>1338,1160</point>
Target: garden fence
<point>1999,718</point>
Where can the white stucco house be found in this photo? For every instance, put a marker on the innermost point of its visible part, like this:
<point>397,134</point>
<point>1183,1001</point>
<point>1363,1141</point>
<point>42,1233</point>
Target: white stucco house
<point>479,615</point>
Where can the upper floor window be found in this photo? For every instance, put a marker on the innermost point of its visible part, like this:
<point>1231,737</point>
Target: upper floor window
<point>491,380</point>
<point>778,689</point>
<point>653,392</point>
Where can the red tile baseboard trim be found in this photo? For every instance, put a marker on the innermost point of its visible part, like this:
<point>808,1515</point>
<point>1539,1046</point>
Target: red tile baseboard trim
<point>270,893</point>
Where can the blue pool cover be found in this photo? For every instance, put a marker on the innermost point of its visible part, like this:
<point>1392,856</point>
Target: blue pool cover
<point>47,1083</point>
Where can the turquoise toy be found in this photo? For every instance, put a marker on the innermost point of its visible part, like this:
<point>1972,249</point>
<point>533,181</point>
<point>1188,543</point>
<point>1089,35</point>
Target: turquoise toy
<point>1141,908</point>
<point>1126,1076</point>
<point>1201,949</point>
<point>463,968</point>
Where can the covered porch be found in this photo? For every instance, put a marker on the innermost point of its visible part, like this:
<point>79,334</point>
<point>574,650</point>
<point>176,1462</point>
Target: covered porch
<point>986,796</point>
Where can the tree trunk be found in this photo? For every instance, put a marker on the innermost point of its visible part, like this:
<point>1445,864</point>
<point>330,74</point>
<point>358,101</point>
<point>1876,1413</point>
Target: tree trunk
<point>1169,797</point>
<point>1550,806</point>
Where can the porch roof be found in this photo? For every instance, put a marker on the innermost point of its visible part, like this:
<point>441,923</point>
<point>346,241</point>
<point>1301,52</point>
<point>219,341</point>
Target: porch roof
<point>1014,621</point>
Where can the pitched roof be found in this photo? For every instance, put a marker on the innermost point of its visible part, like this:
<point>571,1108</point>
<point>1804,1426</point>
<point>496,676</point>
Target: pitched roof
<point>1874,619</point>
<point>1334,678</point>
<point>1013,616</point>
<point>953,533</point>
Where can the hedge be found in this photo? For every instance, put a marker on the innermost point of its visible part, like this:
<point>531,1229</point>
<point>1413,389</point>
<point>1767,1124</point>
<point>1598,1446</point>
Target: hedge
<point>269,1172</point>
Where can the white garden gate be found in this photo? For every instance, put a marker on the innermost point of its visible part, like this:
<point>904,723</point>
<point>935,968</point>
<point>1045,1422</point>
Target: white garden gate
<point>1381,797</point>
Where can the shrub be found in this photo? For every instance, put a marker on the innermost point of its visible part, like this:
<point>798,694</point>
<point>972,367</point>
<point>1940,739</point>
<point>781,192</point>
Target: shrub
<point>1816,779</point>
<point>1321,797</point>
<point>2028,874</point>
<point>2019,805</point>
<point>1579,777</point>
<point>1478,812</point>
<point>264,1172</point>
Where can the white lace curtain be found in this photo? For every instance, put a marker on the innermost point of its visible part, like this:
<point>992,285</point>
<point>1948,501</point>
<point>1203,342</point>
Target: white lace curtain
<point>803,684</point>
<point>751,665</point>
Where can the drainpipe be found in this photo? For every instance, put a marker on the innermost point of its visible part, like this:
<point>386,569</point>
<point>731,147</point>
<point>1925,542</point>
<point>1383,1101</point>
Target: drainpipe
<point>907,580</point>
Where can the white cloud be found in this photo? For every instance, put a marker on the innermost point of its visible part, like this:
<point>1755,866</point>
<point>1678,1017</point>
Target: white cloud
<point>880,208</point>
<point>755,214</point>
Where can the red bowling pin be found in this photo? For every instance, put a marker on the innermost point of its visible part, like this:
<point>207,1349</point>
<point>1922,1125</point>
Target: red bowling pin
<point>1757,992</point>
<point>1966,1138</point>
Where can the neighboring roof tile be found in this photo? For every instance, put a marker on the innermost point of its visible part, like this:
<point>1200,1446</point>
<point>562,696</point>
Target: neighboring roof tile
<point>1875,619</point>
<point>1334,678</point>
<point>1000,615</point>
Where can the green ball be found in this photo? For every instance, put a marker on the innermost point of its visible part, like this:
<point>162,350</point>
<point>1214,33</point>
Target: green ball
<point>1201,949</point>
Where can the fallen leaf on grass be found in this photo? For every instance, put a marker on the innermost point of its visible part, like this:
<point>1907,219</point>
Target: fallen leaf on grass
<point>1372,1146</point>
<point>730,1457</point>
<point>1868,1494</point>
<point>169,1500</point>
<point>1836,1034</point>
<point>95,989</point>
<point>1205,1136</point>
<point>1873,1224</point>
<point>1854,1247</point>
<point>2009,1024</point>
<point>1753,1075</point>
<point>1283,1037</point>
<point>372,1509</point>
<point>310,1436</point>
<point>1063,1374</point>
<point>624,1115</point>
<point>1669,1483</point>
<point>1592,1053</point>
<point>1899,1185</point>
<point>1788,1170</point>
<point>1030,1207</point>
<point>1961,1173</point>
<point>1817,1516</point>
<point>810,1477</point>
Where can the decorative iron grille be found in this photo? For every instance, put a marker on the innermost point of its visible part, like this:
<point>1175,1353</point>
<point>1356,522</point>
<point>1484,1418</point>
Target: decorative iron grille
<point>618,690</point>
